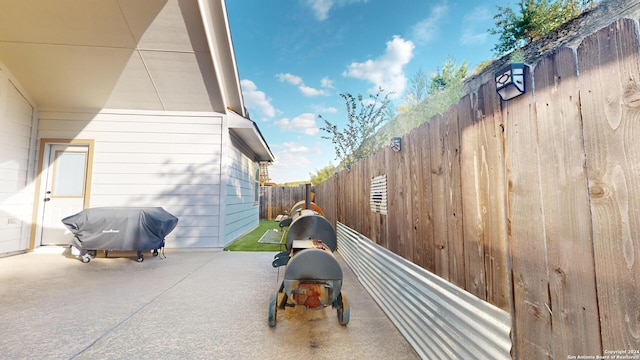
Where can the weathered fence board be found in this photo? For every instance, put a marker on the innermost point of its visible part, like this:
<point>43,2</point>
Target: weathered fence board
<point>567,218</point>
<point>610,94</point>
<point>440,235</point>
<point>471,190</point>
<point>328,203</point>
<point>424,245</point>
<point>490,167</point>
<point>453,196</point>
<point>526,231</point>
<point>410,184</point>
<point>396,202</point>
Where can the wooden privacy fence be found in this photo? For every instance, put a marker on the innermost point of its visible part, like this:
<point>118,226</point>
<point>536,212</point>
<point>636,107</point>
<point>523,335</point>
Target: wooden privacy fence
<point>275,200</point>
<point>532,204</point>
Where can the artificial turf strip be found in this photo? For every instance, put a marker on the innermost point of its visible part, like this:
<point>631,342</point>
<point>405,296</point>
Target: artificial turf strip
<point>249,242</point>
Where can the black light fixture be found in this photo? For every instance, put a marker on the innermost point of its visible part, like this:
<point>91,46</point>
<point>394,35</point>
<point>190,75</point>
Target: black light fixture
<point>510,81</point>
<point>396,144</point>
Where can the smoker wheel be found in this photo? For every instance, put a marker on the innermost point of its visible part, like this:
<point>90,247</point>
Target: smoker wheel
<point>273,309</point>
<point>343,310</point>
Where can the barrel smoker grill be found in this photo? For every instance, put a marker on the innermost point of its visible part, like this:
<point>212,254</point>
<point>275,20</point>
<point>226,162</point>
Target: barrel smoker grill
<point>313,277</point>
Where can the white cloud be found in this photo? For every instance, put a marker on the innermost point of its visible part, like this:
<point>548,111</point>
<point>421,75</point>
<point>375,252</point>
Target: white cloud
<point>329,110</point>
<point>326,83</point>
<point>304,123</point>
<point>293,155</point>
<point>294,147</point>
<point>257,100</point>
<point>474,26</point>
<point>295,161</point>
<point>321,8</point>
<point>322,110</point>
<point>309,91</point>
<point>425,30</point>
<point>297,80</point>
<point>290,78</point>
<point>386,71</point>
<point>468,37</point>
<point>368,101</point>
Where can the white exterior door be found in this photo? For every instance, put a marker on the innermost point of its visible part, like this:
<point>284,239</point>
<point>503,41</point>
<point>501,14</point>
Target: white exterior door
<point>64,193</point>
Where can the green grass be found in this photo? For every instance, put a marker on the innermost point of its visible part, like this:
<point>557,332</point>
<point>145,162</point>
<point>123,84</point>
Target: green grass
<point>249,242</point>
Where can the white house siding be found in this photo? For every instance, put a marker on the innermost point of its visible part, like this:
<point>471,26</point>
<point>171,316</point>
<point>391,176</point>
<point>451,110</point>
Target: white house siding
<point>241,211</point>
<point>16,161</point>
<point>167,159</point>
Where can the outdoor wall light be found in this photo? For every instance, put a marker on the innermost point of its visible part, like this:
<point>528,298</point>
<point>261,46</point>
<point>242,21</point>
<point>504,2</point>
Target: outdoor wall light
<point>510,81</point>
<point>396,144</point>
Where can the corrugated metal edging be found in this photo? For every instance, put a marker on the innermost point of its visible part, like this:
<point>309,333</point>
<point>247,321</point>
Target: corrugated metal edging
<point>440,320</point>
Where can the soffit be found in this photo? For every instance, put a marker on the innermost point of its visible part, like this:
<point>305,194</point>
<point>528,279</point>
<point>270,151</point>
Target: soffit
<point>247,131</point>
<point>142,54</point>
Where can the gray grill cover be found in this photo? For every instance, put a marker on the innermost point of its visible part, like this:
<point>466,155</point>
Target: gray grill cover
<point>120,228</point>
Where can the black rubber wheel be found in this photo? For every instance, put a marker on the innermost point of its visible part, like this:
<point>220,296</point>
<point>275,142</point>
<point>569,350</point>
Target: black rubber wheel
<point>344,312</point>
<point>86,258</point>
<point>155,252</point>
<point>273,309</point>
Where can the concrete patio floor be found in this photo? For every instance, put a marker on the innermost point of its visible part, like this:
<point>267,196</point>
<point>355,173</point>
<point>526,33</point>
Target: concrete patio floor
<point>191,305</point>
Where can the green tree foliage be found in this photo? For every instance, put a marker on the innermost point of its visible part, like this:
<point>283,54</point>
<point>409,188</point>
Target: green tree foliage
<point>532,20</point>
<point>445,87</point>
<point>322,174</point>
<point>450,73</point>
<point>425,97</point>
<point>478,69</point>
<point>364,118</point>
<point>418,89</point>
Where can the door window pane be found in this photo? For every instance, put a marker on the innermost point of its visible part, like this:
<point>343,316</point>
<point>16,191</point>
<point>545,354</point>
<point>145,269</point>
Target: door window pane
<point>69,174</point>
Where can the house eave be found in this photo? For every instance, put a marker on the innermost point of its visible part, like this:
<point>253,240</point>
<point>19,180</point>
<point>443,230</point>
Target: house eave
<point>248,131</point>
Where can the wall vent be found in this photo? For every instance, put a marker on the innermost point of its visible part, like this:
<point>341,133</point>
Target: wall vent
<point>378,197</point>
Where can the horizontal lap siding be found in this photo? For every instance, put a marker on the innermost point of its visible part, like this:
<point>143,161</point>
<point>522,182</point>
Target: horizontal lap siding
<point>16,194</point>
<point>241,211</point>
<point>170,160</point>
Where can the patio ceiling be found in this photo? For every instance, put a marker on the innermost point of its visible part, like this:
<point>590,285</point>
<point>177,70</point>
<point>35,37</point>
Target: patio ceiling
<point>117,54</point>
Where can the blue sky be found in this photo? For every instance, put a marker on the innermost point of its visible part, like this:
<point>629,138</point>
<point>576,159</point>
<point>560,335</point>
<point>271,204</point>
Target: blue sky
<point>295,57</point>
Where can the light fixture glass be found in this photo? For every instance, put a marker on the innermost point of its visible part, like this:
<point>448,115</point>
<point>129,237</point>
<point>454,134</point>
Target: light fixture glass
<point>510,81</point>
<point>396,144</point>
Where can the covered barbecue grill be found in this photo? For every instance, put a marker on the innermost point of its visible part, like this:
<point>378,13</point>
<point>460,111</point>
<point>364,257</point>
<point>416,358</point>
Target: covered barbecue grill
<point>120,228</point>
